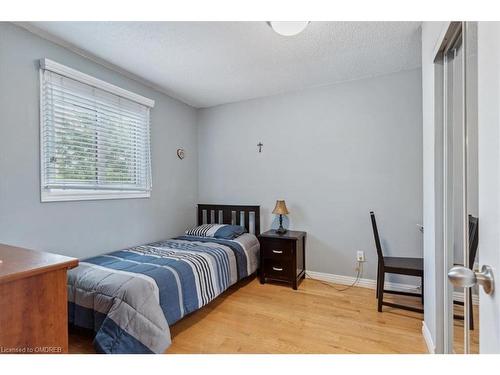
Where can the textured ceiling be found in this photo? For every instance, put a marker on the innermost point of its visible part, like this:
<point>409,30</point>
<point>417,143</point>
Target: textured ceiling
<point>210,63</point>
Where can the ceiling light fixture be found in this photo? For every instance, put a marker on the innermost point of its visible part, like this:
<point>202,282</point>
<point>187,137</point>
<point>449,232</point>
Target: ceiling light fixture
<point>288,28</point>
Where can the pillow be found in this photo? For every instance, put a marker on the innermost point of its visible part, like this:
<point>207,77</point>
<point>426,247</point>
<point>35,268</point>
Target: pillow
<point>205,230</point>
<point>222,231</point>
<point>229,232</point>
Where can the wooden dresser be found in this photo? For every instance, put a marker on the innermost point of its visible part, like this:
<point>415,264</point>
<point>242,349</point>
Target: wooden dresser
<point>283,257</point>
<point>33,301</point>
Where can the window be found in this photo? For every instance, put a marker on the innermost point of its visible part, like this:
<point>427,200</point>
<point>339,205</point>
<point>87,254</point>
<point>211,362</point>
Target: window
<point>95,139</point>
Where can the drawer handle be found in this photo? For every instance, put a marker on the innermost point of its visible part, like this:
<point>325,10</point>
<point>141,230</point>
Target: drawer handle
<point>277,269</point>
<point>278,251</point>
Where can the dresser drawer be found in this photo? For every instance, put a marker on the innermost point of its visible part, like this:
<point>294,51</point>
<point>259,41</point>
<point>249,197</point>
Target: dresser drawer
<point>277,249</point>
<point>278,270</point>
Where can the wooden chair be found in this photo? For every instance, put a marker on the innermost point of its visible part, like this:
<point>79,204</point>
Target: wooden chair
<point>396,265</point>
<point>473,243</point>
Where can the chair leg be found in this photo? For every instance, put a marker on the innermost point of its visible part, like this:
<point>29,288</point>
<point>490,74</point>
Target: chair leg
<point>471,312</point>
<point>422,298</point>
<point>378,280</point>
<point>381,290</point>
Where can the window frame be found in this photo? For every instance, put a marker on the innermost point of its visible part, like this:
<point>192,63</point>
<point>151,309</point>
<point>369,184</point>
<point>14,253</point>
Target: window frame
<point>55,195</point>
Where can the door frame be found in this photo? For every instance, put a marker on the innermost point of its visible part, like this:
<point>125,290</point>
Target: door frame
<point>444,309</point>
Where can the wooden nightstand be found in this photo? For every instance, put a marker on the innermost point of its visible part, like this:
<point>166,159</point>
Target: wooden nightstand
<point>283,257</point>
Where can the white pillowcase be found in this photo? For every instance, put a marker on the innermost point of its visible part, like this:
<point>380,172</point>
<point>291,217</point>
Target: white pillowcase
<point>205,230</point>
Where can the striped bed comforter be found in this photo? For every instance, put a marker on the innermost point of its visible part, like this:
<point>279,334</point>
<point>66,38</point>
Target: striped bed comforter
<point>131,297</point>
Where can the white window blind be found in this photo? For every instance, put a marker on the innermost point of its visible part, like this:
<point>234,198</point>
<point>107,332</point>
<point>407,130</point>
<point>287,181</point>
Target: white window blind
<point>92,139</point>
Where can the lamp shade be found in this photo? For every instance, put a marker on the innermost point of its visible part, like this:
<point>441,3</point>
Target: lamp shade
<point>280,208</point>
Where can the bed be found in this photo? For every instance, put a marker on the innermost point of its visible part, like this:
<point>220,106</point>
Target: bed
<point>130,297</point>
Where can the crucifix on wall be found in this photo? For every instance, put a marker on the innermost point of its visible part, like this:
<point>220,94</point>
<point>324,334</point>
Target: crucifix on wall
<point>259,145</point>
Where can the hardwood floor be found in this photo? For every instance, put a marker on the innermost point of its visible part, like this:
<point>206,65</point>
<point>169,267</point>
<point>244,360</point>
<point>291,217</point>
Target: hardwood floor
<point>316,318</point>
<point>255,318</point>
<point>458,332</point>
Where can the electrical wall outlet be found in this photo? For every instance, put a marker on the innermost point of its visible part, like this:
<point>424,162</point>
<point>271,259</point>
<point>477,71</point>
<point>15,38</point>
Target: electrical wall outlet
<point>360,256</point>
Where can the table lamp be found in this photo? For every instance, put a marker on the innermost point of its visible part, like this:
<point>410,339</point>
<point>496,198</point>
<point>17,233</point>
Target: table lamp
<point>280,209</point>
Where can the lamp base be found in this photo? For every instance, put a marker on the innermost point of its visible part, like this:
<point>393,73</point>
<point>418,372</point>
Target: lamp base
<point>281,230</point>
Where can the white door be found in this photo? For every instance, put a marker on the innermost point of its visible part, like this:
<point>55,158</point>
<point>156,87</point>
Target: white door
<point>489,178</point>
<point>471,143</point>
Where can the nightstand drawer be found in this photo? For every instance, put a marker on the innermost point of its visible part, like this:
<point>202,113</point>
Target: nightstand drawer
<point>278,270</point>
<point>277,249</point>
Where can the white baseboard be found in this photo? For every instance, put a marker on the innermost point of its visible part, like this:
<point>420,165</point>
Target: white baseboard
<point>428,338</point>
<point>372,284</point>
<point>364,283</point>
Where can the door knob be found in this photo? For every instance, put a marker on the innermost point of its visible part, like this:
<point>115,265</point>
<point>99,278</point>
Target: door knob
<point>463,277</point>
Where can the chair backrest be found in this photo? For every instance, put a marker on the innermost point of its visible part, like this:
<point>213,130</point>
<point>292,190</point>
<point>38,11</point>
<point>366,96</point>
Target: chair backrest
<point>473,239</point>
<point>377,238</point>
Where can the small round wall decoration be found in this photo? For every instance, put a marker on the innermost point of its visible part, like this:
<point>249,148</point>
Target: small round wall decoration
<point>180,153</point>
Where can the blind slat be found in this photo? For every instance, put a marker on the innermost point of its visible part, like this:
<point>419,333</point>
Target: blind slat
<point>65,106</point>
<point>94,121</point>
<point>59,156</point>
<point>78,131</point>
<point>58,135</point>
<point>52,90</point>
<point>87,165</point>
<point>99,187</point>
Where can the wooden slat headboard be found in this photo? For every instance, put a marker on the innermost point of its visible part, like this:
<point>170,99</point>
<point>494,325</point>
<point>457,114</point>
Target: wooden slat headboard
<point>247,216</point>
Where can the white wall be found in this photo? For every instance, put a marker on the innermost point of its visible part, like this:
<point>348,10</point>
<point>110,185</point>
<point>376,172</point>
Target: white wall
<point>85,228</point>
<point>333,153</point>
